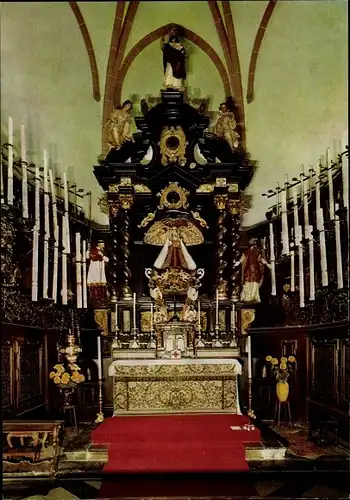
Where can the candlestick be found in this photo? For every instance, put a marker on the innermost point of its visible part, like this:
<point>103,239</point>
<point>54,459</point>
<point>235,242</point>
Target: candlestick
<point>78,270</point>
<point>56,232</point>
<point>66,213</point>
<point>36,229</point>
<point>285,234</point>
<point>292,271</point>
<point>152,344</point>
<point>116,317</point>
<point>301,274</point>
<point>272,260</point>
<point>134,309</point>
<point>10,163</point>
<point>345,170</point>
<point>217,308</point>
<point>100,416</point>
<point>324,271</point>
<point>47,231</point>
<point>24,174</point>
<point>84,276</point>
<point>330,184</point>
<point>338,250</point>
<point>199,342</point>
<point>233,317</point>
<point>99,358</point>
<point>249,354</point>
<point>318,196</point>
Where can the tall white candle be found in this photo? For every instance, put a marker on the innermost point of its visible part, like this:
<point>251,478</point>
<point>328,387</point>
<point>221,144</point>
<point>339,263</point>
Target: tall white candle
<point>134,309</point>
<point>84,276</point>
<point>47,230</point>
<point>24,174</point>
<point>233,317</point>
<point>249,353</point>
<point>318,196</point>
<point>66,212</point>
<point>301,271</point>
<point>308,235</point>
<point>151,316</point>
<point>330,184</point>
<point>199,317</point>
<point>78,270</point>
<point>285,235</point>
<point>345,170</point>
<point>324,271</point>
<point>311,264</point>
<point>99,358</point>
<point>292,271</point>
<point>56,232</point>
<point>36,229</point>
<point>338,251</point>
<point>272,260</point>
<point>217,308</point>
<point>10,163</point>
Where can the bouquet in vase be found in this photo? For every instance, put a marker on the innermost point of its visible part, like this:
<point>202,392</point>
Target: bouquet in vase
<point>65,380</point>
<point>281,369</point>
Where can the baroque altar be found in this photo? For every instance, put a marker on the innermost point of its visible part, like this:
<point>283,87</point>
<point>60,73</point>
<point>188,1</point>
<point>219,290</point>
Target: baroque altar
<point>175,194</point>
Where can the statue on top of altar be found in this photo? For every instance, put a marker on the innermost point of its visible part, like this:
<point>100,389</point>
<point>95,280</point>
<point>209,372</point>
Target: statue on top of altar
<point>225,127</point>
<point>174,56</point>
<point>119,126</point>
<point>253,265</point>
<point>174,254</point>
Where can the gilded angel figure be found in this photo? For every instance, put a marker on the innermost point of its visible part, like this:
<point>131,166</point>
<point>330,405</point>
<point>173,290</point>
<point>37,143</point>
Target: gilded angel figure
<point>119,126</point>
<point>225,127</point>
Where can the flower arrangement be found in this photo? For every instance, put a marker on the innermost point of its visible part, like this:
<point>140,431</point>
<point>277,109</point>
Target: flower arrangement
<point>283,368</point>
<point>63,378</point>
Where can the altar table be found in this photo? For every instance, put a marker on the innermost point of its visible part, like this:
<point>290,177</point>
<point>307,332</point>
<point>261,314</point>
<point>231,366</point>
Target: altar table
<point>172,386</point>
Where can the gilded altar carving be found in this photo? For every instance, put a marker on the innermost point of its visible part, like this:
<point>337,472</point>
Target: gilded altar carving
<point>220,182</point>
<point>240,206</point>
<point>220,201</point>
<point>126,201</point>
<point>146,220</point>
<point>113,188</point>
<point>141,188</point>
<point>173,197</point>
<point>205,188</point>
<point>103,204</point>
<point>198,218</point>
<point>114,208</point>
<point>146,321</point>
<point>173,146</point>
<point>247,317</point>
<point>233,188</point>
<point>101,320</point>
<point>167,388</point>
<point>187,231</point>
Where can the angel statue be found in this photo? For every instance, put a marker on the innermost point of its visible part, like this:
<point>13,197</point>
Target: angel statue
<point>119,126</point>
<point>225,127</point>
<point>174,55</point>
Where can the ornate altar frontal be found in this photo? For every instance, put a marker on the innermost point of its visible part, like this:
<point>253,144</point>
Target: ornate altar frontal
<point>175,197</point>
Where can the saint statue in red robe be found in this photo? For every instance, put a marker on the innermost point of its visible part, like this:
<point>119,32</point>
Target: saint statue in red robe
<point>253,265</point>
<point>96,278</point>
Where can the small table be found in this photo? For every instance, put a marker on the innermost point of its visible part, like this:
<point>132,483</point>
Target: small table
<point>72,410</point>
<point>280,407</point>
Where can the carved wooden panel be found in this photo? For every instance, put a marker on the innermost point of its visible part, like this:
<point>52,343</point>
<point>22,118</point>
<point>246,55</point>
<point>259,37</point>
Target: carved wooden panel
<point>7,376</point>
<point>325,371</point>
<point>30,375</point>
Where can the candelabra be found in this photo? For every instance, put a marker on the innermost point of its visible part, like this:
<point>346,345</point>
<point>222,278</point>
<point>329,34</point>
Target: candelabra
<point>134,344</point>
<point>100,416</point>
<point>216,341</point>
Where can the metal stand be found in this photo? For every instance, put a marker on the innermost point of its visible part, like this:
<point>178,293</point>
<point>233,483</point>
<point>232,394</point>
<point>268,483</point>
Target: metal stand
<point>116,344</point>
<point>100,416</point>
<point>152,344</point>
<point>233,342</point>
<point>216,341</point>
<point>134,344</point>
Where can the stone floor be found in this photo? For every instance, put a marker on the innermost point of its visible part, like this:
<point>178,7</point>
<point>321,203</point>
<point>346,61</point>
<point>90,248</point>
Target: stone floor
<point>307,471</point>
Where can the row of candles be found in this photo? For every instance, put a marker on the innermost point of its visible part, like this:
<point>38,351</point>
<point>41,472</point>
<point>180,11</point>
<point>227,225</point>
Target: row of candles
<point>81,246</point>
<point>288,247</point>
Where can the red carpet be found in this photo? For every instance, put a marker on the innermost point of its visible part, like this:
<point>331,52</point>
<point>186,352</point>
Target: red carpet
<point>175,443</point>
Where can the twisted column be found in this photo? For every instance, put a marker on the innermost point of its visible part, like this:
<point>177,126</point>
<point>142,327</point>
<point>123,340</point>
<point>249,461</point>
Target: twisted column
<point>113,264</point>
<point>235,250</point>
<point>126,201</point>
<point>221,247</point>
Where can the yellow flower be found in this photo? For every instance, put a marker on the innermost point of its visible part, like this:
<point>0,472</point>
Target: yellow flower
<point>57,380</point>
<point>274,361</point>
<point>291,359</point>
<point>268,358</point>
<point>59,368</point>
<point>65,378</point>
<point>283,360</point>
<point>52,374</point>
<point>75,377</point>
<point>81,378</point>
<point>283,366</point>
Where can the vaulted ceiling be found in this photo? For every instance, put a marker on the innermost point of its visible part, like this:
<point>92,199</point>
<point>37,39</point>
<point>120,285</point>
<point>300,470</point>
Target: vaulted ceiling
<point>64,65</point>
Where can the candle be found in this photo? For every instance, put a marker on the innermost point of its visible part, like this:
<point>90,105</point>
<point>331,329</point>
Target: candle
<point>78,270</point>
<point>345,171</point>
<point>338,251</point>
<point>272,260</point>
<point>47,230</point>
<point>330,184</point>
<point>134,309</point>
<point>151,316</point>
<point>324,272</point>
<point>84,276</point>
<point>233,317</point>
<point>318,196</point>
<point>217,308</point>
<point>292,271</point>
<point>56,232</point>
<point>99,358</point>
<point>199,317</point>
<point>66,213</point>
<point>249,353</point>
<point>36,229</point>
<point>10,163</point>
<point>24,174</point>
<point>116,317</point>
<point>285,236</point>
<point>301,272</point>
<point>311,264</point>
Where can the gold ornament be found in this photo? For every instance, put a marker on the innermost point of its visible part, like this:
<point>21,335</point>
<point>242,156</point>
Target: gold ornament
<point>220,201</point>
<point>147,220</point>
<point>177,200</point>
<point>173,146</point>
<point>205,188</point>
<point>126,201</point>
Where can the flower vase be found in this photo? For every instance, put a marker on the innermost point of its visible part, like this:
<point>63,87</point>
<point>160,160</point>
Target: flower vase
<point>282,391</point>
<point>67,393</point>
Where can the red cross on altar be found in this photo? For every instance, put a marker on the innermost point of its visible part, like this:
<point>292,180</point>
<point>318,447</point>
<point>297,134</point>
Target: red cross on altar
<point>176,354</point>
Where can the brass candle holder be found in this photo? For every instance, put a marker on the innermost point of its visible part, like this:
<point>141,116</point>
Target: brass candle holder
<point>100,416</point>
